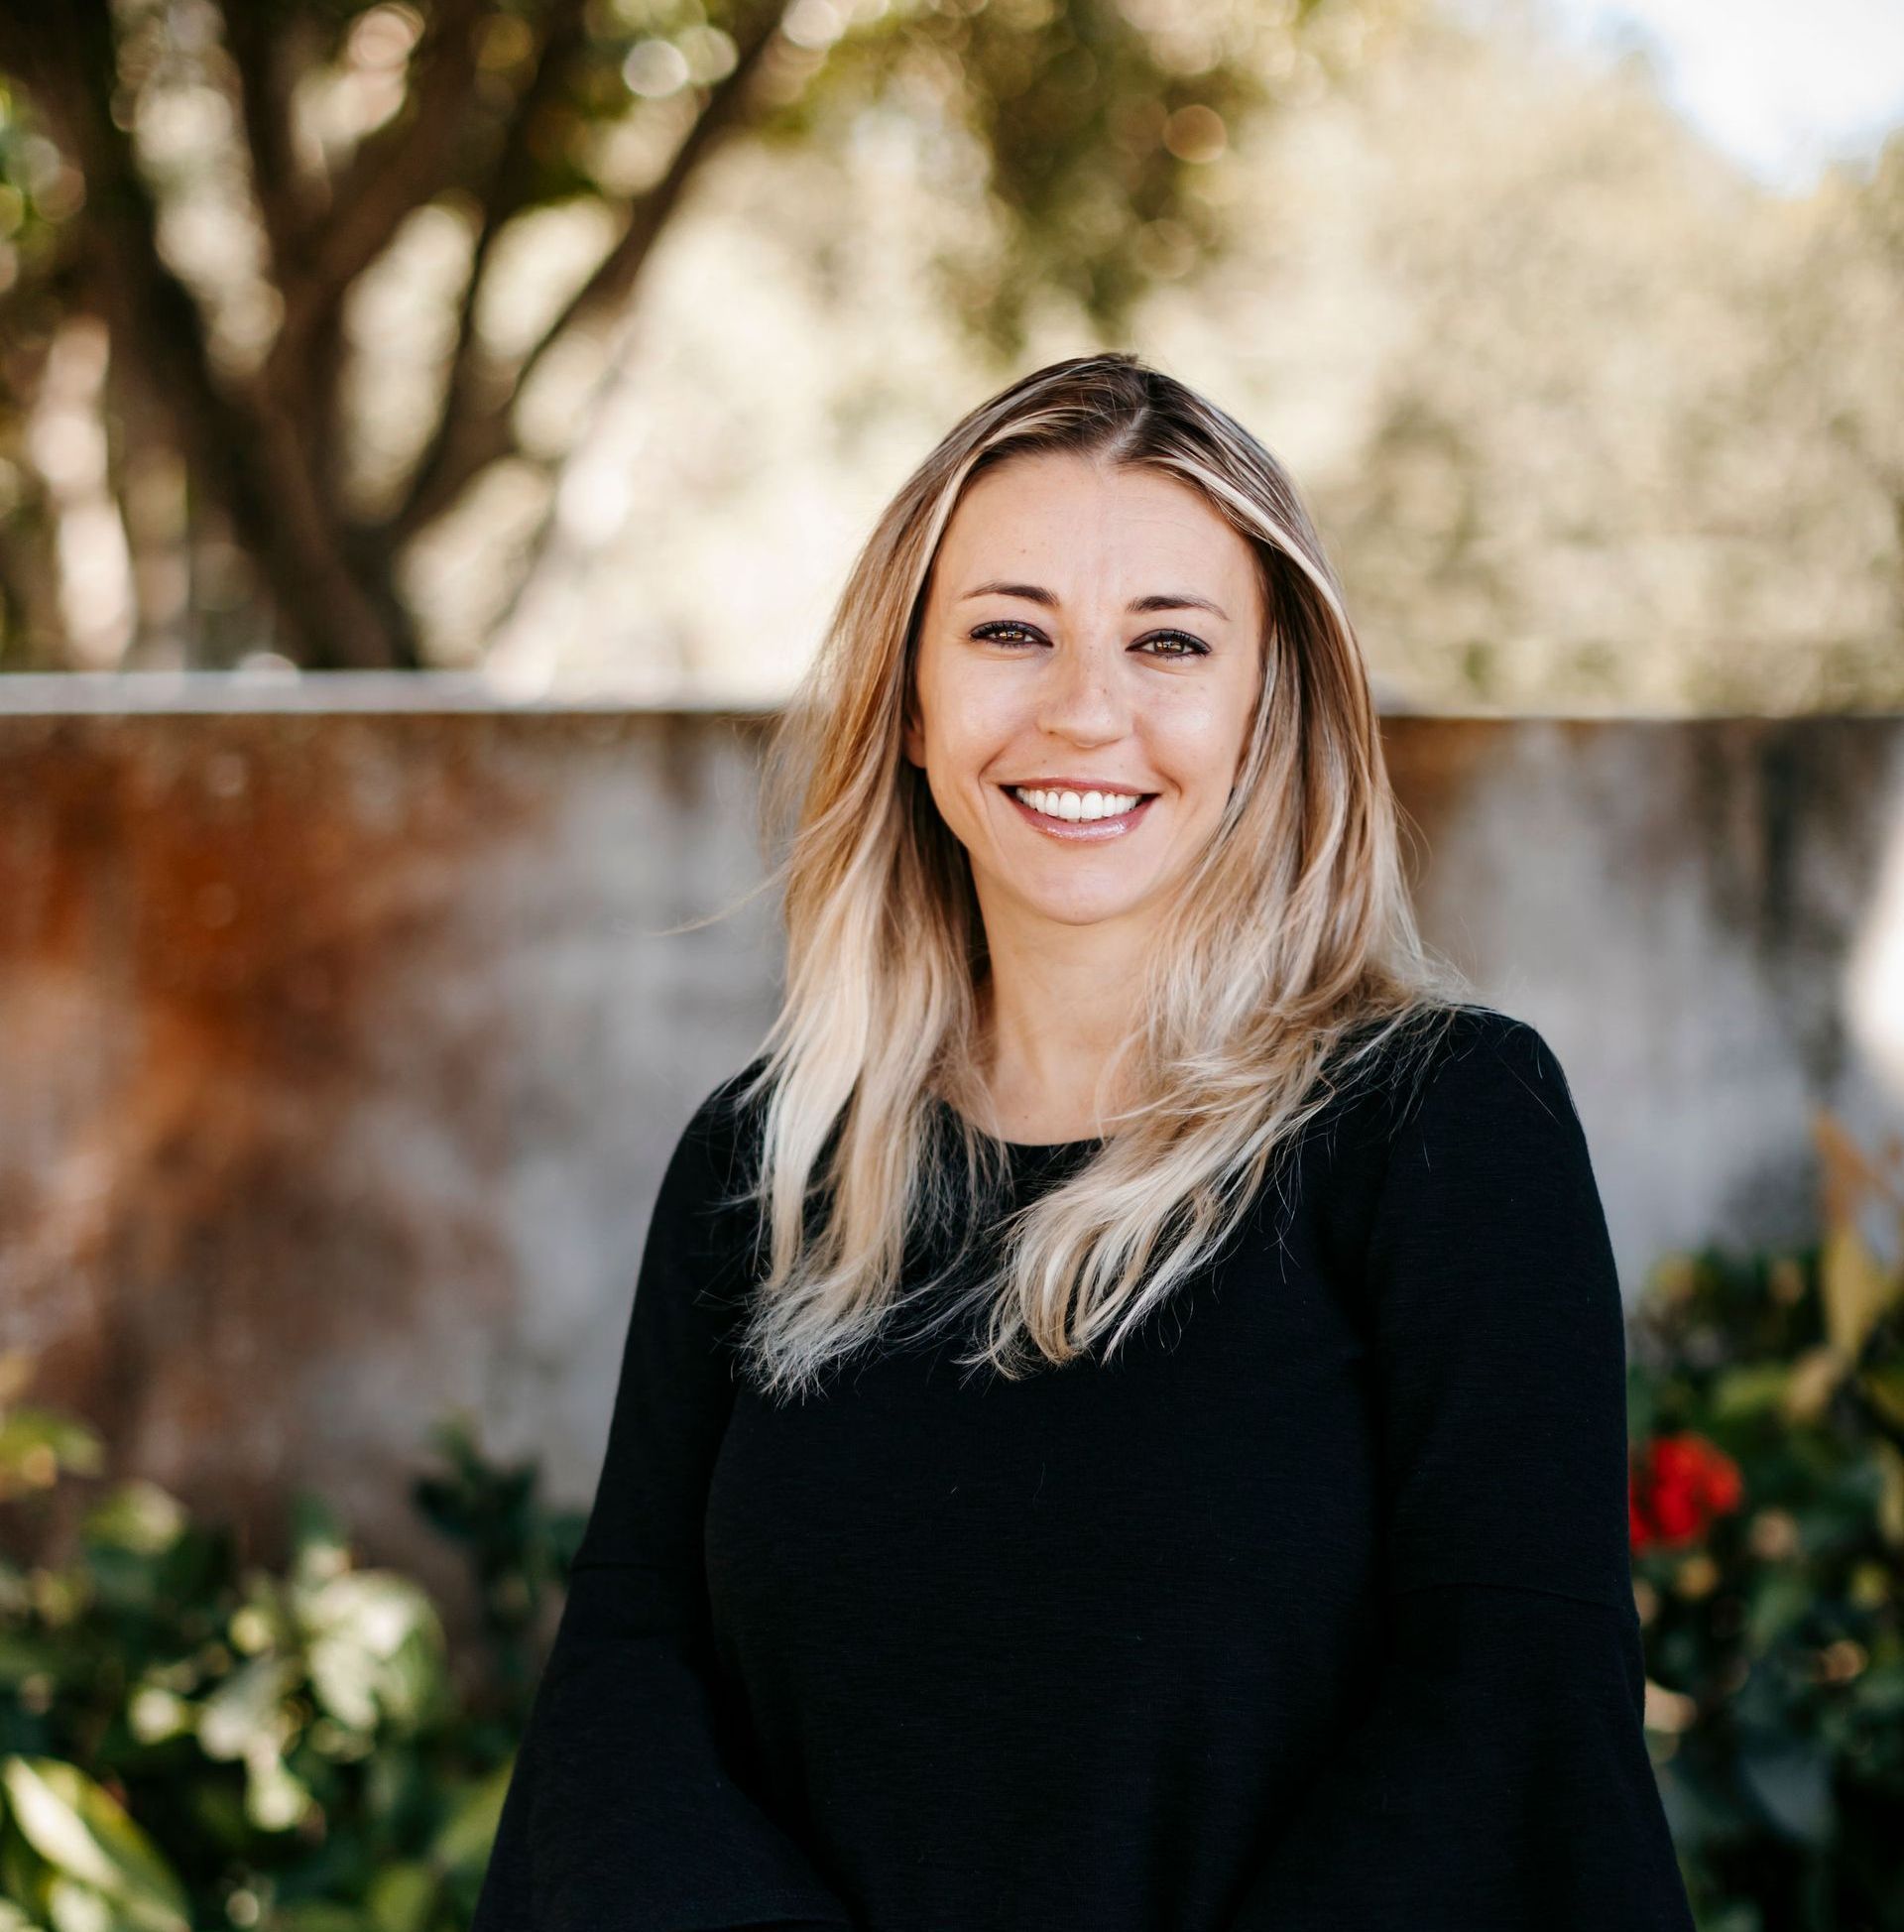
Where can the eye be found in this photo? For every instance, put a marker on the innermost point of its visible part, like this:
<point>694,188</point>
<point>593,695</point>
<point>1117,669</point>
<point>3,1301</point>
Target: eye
<point>996,632</point>
<point>1196,647</point>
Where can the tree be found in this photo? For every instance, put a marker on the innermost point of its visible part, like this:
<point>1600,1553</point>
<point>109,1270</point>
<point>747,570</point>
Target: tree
<point>337,121</point>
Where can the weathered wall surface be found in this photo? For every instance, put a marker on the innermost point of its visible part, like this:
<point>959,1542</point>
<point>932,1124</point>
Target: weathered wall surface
<point>342,1052</point>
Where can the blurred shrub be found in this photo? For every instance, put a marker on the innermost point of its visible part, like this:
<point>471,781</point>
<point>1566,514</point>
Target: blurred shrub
<point>188,1741</point>
<point>1767,1404</point>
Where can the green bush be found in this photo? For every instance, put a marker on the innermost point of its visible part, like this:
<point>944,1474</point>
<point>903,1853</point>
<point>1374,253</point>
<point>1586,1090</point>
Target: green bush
<point>1766,1401</point>
<point>187,1742</point>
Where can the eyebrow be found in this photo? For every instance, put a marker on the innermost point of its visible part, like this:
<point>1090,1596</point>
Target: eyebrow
<point>1159,600</point>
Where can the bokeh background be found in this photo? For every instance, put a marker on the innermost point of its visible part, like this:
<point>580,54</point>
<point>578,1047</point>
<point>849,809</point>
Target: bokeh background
<point>432,435</point>
<point>579,338</point>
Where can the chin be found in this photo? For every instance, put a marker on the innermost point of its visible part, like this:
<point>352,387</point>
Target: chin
<point>1073,909</point>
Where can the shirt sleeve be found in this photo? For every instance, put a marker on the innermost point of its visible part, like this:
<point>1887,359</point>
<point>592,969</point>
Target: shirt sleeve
<point>625,1810</point>
<point>1496,1778</point>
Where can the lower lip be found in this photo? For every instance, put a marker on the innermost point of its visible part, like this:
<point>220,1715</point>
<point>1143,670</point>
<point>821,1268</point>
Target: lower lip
<point>1082,828</point>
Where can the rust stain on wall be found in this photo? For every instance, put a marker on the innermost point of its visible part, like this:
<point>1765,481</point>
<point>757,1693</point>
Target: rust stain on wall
<point>1433,763</point>
<point>211,931</point>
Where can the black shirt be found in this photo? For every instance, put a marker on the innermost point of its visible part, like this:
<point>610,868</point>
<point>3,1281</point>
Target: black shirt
<point>1308,1610</point>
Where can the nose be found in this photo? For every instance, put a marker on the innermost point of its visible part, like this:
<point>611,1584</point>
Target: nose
<point>1081,696</point>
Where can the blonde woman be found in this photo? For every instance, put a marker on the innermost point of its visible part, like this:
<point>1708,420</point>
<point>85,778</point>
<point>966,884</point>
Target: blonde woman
<point>1121,1426</point>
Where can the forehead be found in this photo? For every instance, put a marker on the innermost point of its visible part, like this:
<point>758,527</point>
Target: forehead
<point>1080,523</point>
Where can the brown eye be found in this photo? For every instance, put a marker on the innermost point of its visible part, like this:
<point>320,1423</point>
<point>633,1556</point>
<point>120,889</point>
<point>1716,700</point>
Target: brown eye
<point>1008,630</point>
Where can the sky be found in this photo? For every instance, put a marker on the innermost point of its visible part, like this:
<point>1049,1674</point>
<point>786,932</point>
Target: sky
<point>1783,87</point>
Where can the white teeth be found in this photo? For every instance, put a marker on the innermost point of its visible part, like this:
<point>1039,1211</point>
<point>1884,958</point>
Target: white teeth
<point>1078,805</point>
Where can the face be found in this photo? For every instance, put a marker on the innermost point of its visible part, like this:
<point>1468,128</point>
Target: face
<point>1086,629</point>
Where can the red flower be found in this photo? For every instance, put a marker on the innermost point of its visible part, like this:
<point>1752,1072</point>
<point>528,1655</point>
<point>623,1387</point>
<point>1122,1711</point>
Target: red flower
<point>1675,1489</point>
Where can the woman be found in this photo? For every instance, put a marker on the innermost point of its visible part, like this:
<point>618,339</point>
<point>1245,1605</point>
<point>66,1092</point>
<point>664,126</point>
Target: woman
<point>1123,1420</point>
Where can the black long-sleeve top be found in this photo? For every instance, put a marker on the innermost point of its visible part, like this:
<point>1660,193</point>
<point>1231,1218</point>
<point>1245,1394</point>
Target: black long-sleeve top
<point>1309,1612</point>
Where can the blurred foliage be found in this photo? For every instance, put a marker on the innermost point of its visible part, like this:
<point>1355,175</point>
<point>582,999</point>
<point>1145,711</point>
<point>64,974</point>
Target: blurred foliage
<point>187,1741</point>
<point>1637,443</point>
<point>194,188</point>
<point>1769,1562</point>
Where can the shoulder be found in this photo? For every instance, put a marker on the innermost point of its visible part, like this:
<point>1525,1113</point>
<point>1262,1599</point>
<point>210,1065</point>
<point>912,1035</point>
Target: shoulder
<point>1485,1071</point>
<point>1486,1137</point>
<point>709,1172</point>
<point>1419,1092</point>
<point>727,1116</point>
<point>704,1225</point>
<point>1445,1057</point>
<point>1460,1088</point>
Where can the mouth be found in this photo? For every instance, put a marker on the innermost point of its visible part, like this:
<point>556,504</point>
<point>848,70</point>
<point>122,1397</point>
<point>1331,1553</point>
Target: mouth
<point>1061,814</point>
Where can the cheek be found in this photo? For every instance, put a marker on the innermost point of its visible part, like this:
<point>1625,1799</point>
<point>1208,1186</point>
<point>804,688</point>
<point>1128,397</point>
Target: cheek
<point>973,724</point>
<point>1197,733</point>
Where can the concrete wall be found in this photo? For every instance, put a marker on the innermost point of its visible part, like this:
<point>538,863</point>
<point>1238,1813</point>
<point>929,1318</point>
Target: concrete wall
<point>342,1047</point>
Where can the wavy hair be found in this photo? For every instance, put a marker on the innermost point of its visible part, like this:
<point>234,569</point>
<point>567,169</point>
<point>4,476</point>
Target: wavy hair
<point>1286,960</point>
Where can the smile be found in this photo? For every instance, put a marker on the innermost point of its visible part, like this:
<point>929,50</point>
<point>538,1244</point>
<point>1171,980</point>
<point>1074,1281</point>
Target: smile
<point>1067,819</point>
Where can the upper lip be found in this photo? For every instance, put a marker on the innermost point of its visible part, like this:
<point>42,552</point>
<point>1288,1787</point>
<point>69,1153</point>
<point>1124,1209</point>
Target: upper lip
<point>1077,785</point>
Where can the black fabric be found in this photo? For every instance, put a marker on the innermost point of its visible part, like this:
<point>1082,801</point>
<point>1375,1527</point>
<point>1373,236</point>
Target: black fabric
<point>1310,1612</point>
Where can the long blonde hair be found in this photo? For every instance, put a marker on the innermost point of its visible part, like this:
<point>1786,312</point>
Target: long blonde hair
<point>1287,960</point>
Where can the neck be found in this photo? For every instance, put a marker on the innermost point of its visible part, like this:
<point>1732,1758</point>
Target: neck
<point>1051,1022</point>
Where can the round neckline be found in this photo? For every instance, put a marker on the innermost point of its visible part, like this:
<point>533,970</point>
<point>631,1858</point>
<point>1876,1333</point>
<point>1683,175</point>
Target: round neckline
<point>1031,1148</point>
<point>1027,1149</point>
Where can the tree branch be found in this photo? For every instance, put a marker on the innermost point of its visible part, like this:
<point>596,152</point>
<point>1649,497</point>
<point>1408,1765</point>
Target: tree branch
<point>472,379</point>
<point>253,36</point>
<point>247,459</point>
<point>478,426</point>
<point>394,171</point>
<point>316,257</point>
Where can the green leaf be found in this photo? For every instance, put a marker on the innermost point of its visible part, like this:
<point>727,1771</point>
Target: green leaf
<point>245,1709</point>
<point>37,1444</point>
<point>23,1656</point>
<point>1856,1288</point>
<point>1778,1602</point>
<point>73,1907</point>
<point>87,1835</point>
<point>1884,1386</point>
<point>1750,1389</point>
<point>1889,1512</point>
<point>403,1897</point>
<point>376,1645</point>
<point>469,1833</point>
<point>276,1798</point>
<point>318,1915</point>
<point>137,1517</point>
